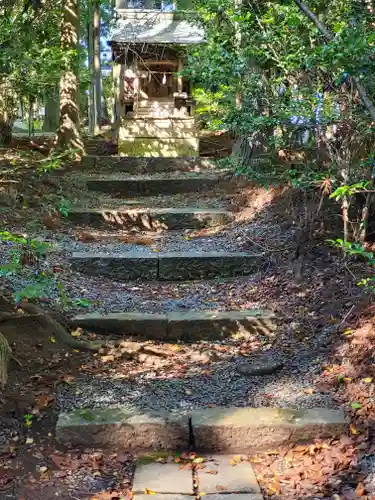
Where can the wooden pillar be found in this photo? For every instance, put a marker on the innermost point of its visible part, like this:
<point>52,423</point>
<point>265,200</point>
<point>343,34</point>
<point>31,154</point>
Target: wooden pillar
<point>118,90</point>
<point>179,77</point>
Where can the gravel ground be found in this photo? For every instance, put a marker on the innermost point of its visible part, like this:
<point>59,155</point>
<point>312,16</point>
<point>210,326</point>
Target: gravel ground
<point>221,385</point>
<point>201,200</point>
<point>172,241</point>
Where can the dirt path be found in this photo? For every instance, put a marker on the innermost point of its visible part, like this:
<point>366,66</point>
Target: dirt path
<point>316,365</point>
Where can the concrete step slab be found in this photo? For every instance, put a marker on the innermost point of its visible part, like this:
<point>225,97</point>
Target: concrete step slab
<point>215,430</point>
<point>233,496</point>
<point>156,431</point>
<point>238,430</point>
<point>168,266</point>
<point>151,218</point>
<point>190,326</point>
<point>172,496</point>
<point>143,165</point>
<point>223,474</point>
<point>163,478</point>
<point>151,186</point>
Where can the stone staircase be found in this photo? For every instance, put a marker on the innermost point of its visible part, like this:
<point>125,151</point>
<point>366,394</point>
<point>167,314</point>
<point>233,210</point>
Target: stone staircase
<point>167,176</point>
<point>223,430</point>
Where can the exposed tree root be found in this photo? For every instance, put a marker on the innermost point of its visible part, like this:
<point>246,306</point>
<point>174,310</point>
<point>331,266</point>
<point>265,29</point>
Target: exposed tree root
<point>5,356</point>
<point>31,317</point>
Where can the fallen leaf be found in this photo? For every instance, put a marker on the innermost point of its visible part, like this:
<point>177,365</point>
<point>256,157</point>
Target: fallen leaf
<point>149,492</point>
<point>308,391</point>
<point>77,332</point>
<point>360,489</point>
<point>52,340</point>
<point>43,469</point>
<point>367,380</point>
<point>355,406</point>
<point>106,359</point>
<point>58,460</point>
<point>29,440</point>
<point>198,460</point>
<point>188,466</point>
<point>44,401</point>
<point>66,379</point>
<point>354,430</point>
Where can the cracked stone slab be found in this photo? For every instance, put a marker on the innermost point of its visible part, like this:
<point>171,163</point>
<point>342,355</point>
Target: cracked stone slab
<point>222,474</point>
<point>172,266</point>
<point>189,326</point>
<point>192,326</point>
<point>166,496</point>
<point>237,430</point>
<point>142,165</point>
<point>180,266</point>
<point>151,186</point>
<point>130,266</point>
<point>163,478</point>
<point>151,219</point>
<point>142,325</point>
<point>124,428</point>
<point>234,496</point>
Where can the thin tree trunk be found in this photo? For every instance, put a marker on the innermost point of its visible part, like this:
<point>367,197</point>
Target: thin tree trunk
<point>8,111</point>
<point>96,67</point>
<point>30,119</point>
<point>329,36</point>
<point>90,52</point>
<point>104,107</point>
<point>68,135</point>
<point>51,113</point>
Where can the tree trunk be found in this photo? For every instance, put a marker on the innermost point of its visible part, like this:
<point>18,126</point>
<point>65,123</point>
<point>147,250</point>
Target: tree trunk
<point>8,112</point>
<point>97,67</point>
<point>51,114</point>
<point>90,54</point>
<point>5,132</point>
<point>68,135</point>
<point>104,109</point>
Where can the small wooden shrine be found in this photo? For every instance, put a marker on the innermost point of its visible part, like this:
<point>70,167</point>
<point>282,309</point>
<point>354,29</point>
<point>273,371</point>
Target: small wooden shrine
<point>154,109</point>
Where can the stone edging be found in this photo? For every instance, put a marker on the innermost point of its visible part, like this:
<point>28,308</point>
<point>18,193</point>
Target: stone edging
<point>221,430</point>
<point>182,326</point>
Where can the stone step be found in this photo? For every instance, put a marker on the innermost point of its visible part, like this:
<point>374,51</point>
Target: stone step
<point>189,326</point>
<point>217,474</point>
<point>151,218</point>
<point>144,165</point>
<point>169,266</point>
<point>214,430</point>
<point>151,186</point>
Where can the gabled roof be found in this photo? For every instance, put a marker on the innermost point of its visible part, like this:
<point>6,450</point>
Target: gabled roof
<point>156,29</point>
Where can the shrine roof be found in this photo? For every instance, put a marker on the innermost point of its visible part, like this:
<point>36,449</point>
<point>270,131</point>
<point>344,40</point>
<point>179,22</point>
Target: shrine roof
<point>156,29</point>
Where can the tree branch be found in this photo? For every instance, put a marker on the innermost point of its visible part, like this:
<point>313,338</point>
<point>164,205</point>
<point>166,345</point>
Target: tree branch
<point>329,36</point>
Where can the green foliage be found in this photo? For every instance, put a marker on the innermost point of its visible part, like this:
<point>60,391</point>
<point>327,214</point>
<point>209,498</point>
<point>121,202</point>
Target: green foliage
<point>55,161</point>
<point>64,206</point>
<point>266,72</point>
<point>351,190</point>
<point>41,281</point>
<point>357,250</point>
